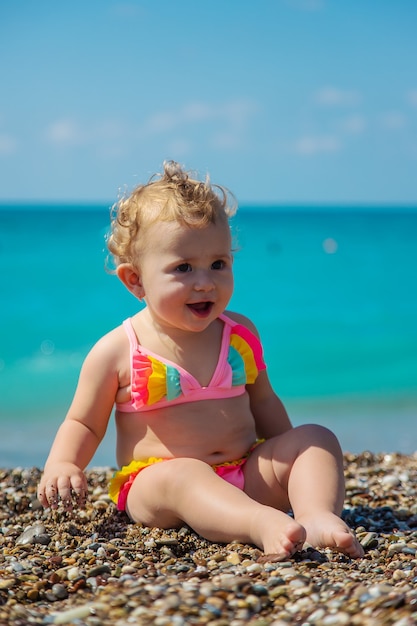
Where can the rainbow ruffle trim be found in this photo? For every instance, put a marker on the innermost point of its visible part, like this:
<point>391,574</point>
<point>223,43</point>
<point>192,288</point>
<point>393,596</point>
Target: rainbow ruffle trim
<point>155,380</point>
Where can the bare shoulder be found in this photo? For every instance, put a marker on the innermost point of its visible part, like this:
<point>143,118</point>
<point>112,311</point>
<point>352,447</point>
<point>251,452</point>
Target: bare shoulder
<point>242,319</point>
<point>111,347</point>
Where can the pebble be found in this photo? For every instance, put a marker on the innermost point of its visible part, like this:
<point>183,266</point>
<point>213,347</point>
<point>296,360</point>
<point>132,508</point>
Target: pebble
<point>96,568</point>
<point>390,480</point>
<point>75,613</point>
<point>34,534</point>
<point>73,573</point>
<point>60,591</point>
<point>337,619</point>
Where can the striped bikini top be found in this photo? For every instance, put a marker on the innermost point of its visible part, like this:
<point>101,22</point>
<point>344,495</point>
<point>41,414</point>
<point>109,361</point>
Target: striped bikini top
<point>157,382</point>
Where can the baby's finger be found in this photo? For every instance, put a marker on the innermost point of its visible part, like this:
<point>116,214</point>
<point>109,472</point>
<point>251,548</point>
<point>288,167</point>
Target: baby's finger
<point>64,492</point>
<point>79,487</point>
<point>50,496</point>
<point>41,496</point>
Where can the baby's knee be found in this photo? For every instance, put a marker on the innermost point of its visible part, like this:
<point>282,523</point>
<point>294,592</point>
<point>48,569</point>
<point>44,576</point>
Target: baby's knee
<point>158,489</point>
<point>176,472</point>
<point>317,434</point>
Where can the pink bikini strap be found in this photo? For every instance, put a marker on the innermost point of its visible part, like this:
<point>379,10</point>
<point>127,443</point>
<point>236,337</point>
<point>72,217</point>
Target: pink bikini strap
<point>133,340</point>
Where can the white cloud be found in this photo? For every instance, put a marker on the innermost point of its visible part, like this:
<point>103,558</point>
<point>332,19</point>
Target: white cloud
<point>198,111</point>
<point>353,125</point>
<point>8,145</point>
<point>65,132</point>
<point>224,123</point>
<point>393,120</point>
<point>332,96</point>
<point>221,125</point>
<point>233,114</point>
<point>107,135</point>
<point>165,121</point>
<point>412,97</point>
<point>310,145</point>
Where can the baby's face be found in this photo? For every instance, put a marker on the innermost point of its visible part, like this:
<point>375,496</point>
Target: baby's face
<point>186,273</point>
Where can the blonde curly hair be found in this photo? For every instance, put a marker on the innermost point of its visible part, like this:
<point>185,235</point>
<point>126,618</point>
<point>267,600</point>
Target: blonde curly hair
<point>171,196</point>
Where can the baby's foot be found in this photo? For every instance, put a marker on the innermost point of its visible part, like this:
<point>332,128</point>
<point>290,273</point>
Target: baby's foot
<point>327,530</point>
<point>277,534</point>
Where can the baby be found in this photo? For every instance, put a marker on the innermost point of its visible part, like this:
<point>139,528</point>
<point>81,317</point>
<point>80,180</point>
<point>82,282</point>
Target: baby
<point>202,438</point>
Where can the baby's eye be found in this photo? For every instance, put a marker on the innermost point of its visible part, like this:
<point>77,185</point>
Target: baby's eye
<point>218,265</point>
<point>184,267</point>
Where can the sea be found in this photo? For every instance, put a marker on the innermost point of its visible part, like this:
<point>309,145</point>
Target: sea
<point>332,291</point>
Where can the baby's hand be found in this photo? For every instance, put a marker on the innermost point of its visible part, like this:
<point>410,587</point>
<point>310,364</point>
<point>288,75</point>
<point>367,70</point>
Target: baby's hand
<point>65,482</point>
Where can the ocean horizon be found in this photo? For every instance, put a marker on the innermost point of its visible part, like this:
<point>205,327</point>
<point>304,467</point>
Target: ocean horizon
<point>332,291</point>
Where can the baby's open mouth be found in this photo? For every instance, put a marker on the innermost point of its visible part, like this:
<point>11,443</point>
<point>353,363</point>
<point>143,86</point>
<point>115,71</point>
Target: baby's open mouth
<point>201,308</point>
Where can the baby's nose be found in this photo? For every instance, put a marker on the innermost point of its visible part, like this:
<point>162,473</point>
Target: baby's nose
<point>203,281</point>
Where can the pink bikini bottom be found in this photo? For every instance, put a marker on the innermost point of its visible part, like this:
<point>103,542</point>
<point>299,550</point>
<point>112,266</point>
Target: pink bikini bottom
<point>231,471</point>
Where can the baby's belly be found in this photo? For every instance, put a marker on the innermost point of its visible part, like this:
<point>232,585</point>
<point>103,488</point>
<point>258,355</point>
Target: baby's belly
<point>213,431</point>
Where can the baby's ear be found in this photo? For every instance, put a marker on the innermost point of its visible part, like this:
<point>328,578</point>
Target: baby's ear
<point>130,277</point>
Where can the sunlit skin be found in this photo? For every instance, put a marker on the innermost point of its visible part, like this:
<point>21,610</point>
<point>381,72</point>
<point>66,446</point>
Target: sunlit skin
<point>184,276</point>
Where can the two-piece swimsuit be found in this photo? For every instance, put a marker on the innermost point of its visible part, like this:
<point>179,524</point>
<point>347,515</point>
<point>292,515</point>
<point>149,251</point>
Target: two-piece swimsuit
<point>157,382</point>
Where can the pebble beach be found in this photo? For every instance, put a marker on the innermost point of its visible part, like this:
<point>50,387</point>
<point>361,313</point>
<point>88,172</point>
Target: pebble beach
<point>94,567</point>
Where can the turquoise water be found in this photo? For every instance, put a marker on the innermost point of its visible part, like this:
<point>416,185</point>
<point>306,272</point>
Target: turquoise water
<point>333,293</point>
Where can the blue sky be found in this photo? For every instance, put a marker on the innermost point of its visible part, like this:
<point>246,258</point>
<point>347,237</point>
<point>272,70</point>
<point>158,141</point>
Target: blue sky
<point>283,101</point>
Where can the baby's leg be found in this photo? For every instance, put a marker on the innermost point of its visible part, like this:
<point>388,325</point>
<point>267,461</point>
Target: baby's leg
<point>303,468</point>
<point>187,490</point>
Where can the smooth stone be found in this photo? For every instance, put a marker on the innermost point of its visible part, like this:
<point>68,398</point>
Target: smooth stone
<point>31,534</point>
<point>77,613</point>
<point>7,583</point>
<point>369,540</point>
<point>33,595</point>
<point>338,619</point>
<point>394,548</point>
<point>59,591</point>
<point>73,573</point>
<point>99,569</point>
<point>390,480</point>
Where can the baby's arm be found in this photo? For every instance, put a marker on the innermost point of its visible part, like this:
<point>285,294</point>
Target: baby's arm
<point>270,415</point>
<point>83,428</point>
